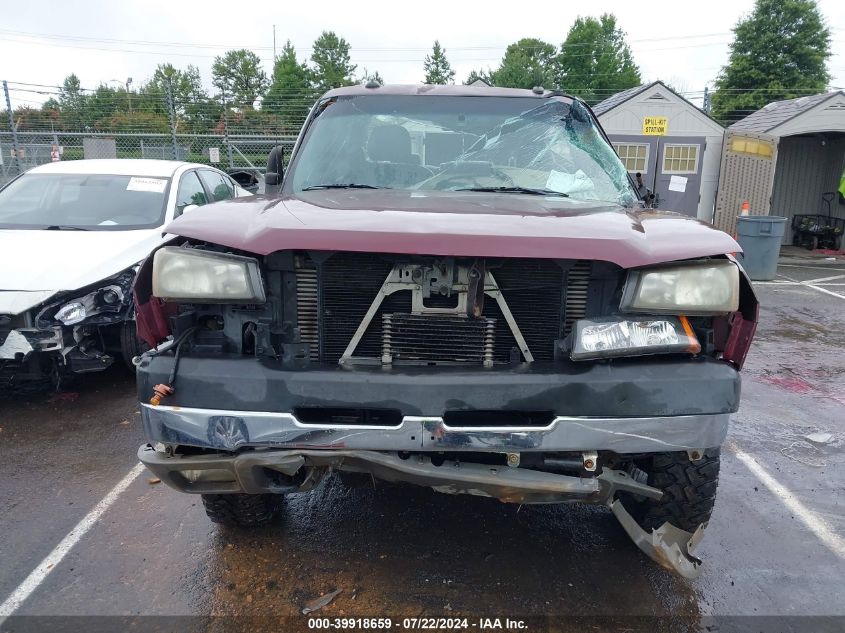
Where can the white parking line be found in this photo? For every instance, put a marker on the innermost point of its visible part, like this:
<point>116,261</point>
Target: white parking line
<point>811,520</point>
<point>821,279</point>
<point>25,589</point>
<point>826,291</point>
<point>810,267</point>
<point>811,283</point>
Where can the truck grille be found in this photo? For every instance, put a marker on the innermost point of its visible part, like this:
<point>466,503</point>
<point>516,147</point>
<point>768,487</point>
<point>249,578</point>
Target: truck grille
<point>545,298</point>
<point>307,306</point>
<point>429,339</point>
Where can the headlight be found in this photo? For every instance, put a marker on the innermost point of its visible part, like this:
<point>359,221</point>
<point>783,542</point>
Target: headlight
<point>694,289</point>
<point>102,303</point>
<point>608,338</point>
<point>105,299</point>
<point>182,274</point>
<point>71,313</point>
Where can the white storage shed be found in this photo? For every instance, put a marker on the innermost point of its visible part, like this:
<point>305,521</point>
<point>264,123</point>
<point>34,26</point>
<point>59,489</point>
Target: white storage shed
<point>674,144</point>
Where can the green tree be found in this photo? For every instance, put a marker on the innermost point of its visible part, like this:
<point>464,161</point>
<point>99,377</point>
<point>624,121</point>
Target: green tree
<point>594,60</point>
<point>779,52</point>
<point>29,119</point>
<point>137,121</point>
<point>475,75</point>
<point>528,63</point>
<point>437,67</point>
<point>372,76</point>
<point>195,110</point>
<point>72,103</point>
<point>332,67</point>
<point>104,103</point>
<point>291,92</point>
<point>239,75</point>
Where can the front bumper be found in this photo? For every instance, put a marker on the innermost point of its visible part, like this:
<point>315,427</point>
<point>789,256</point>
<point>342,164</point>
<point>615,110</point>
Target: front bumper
<point>228,430</point>
<point>650,405</point>
<point>625,388</point>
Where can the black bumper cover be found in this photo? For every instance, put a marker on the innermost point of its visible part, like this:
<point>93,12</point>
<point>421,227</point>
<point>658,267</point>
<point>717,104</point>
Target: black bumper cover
<point>623,388</point>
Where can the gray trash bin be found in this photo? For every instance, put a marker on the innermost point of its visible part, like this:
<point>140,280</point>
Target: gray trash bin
<point>760,237</point>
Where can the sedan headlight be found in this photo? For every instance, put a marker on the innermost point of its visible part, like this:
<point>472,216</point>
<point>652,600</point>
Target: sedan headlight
<point>612,337</point>
<point>181,274</point>
<point>693,289</point>
<point>102,303</point>
<point>107,299</point>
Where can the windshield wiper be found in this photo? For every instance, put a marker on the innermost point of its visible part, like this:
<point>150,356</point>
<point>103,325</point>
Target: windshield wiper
<point>64,227</point>
<point>529,190</point>
<point>351,185</point>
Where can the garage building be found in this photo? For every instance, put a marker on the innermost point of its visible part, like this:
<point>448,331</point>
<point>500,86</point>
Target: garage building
<point>783,159</point>
<point>670,141</point>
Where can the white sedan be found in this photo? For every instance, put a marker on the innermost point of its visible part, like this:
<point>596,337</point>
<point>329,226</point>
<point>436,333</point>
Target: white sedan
<point>71,237</point>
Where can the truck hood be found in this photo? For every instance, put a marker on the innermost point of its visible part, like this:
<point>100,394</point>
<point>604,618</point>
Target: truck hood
<point>453,223</point>
<point>34,265</point>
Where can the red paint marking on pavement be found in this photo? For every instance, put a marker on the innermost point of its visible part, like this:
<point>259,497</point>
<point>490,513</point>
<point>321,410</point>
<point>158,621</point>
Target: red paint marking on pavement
<point>790,383</point>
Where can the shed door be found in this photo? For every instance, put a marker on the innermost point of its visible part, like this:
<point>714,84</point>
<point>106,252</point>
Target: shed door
<point>747,173</point>
<point>638,154</point>
<point>678,173</point>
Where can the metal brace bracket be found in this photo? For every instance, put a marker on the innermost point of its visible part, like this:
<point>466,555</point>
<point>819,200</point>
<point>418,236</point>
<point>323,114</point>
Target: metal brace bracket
<point>396,281</point>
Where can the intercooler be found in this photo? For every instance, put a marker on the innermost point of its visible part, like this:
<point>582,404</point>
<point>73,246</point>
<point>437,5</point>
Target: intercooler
<point>334,294</point>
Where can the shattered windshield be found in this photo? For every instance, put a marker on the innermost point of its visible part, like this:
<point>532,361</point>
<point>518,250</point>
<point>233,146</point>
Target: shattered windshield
<point>515,145</point>
<point>90,202</point>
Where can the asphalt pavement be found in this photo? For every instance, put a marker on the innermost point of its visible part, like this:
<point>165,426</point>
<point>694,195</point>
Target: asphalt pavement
<point>774,549</point>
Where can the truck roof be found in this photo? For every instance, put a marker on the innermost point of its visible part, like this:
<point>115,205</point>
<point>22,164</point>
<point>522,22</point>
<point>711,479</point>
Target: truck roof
<point>435,90</point>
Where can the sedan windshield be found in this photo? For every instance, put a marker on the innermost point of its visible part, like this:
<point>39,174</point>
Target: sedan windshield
<point>512,145</point>
<point>92,202</point>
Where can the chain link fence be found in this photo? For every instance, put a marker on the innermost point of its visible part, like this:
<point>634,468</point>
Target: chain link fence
<point>24,150</point>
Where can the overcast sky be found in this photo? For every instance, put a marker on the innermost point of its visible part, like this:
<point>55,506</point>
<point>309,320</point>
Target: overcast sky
<point>683,43</point>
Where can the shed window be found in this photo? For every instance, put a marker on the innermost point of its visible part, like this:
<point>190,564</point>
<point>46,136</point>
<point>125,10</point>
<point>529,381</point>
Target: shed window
<point>680,159</point>
<point>633,155</point>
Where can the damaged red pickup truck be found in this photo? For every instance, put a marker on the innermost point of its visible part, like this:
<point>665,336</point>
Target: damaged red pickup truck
<point>455,287</point>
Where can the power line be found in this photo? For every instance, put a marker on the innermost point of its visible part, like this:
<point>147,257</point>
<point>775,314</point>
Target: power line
<point>218,46</point>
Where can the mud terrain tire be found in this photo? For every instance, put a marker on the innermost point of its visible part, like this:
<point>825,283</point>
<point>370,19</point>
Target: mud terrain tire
<point>689,490</point>
<point>242,510</point>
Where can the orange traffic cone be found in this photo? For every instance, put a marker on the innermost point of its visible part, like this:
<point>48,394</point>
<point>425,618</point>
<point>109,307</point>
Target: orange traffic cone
<point>745,209</point>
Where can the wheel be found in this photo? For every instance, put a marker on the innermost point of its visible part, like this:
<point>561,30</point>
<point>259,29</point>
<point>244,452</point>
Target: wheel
<point>130,345</point>
<point>242,510</point>
<point>689,490</point>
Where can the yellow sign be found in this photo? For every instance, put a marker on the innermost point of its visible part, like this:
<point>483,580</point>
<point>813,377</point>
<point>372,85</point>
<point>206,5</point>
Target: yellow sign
<point>655,126</point>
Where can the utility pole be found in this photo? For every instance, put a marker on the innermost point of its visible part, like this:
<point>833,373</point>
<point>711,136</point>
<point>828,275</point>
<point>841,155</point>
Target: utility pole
<point>12,127</point>
<point>226,129</point>
<point>172,112</point>
<point>274,45</point>
<point>706,105</point>
<point>128,94</point>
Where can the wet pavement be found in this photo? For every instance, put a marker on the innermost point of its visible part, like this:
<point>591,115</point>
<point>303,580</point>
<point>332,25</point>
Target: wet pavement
<point>407,552</point>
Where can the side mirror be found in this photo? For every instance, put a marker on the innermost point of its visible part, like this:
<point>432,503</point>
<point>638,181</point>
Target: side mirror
<point>190,207</point>
<point>275,171</point>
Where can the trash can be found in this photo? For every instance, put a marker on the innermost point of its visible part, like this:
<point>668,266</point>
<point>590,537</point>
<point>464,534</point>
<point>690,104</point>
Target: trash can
<point>760,237</point>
